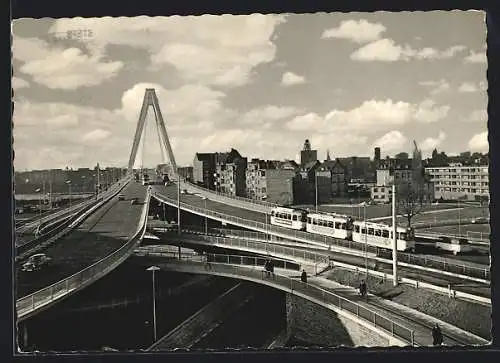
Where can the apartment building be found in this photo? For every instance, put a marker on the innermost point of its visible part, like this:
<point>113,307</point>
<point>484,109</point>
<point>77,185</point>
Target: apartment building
<point>459,182</point>
<point>230,173</point>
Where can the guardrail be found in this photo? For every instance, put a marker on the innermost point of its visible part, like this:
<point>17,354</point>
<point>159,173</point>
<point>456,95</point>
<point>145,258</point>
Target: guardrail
<point>436,235</point>
<point>319,240</point>
<point>227,196</point>
<point>27,305</point>
<point>61,230</point>
<point>311,292</point>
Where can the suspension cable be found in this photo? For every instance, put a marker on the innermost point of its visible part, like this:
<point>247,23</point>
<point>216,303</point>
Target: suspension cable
<point>160,140</point>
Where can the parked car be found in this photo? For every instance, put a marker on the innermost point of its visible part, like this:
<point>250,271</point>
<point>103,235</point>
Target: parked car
<point>36,262</point>
<point>479,220</point>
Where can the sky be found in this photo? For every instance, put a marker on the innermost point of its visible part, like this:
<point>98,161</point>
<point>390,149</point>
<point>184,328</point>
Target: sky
<point>259,83</point>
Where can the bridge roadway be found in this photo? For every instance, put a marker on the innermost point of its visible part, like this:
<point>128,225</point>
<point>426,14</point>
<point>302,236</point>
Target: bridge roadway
<point>406,324</point>
<point>247,214</point>
<point>256,246</point>
<point>99,235</point>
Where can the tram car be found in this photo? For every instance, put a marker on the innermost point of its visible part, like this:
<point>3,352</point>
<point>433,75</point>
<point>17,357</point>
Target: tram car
<point>289,218</point>
<point>454,245</point>
<point>333,225</point>
<point>380,235</point>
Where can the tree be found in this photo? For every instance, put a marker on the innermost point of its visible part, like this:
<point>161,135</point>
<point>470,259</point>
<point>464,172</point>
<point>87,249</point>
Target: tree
<point>409,200</point>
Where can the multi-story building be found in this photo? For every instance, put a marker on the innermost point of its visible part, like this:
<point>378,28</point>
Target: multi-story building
<point>459,182</point>
<point>185,172</point>
<point>204,170</point>
<point>230,173</point>
<point>271,181</point>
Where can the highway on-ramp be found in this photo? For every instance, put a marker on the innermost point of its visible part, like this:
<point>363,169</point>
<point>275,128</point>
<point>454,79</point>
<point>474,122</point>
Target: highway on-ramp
<point>106,230</point>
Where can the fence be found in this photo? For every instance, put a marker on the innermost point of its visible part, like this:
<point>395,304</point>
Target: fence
<point>28,304</point>
<point>323,241</point>
<point>309,291</point>
<point>483,236</point>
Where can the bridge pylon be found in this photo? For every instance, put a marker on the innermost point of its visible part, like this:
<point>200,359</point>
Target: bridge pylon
<point>150,99</point>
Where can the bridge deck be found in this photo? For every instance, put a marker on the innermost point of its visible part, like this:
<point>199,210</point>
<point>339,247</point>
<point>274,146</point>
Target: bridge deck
<point>103,232</point>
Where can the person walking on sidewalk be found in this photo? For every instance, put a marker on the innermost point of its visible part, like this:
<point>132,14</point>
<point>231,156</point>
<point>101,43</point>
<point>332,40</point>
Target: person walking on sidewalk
<point>303,277</point>
<point>437,336</point>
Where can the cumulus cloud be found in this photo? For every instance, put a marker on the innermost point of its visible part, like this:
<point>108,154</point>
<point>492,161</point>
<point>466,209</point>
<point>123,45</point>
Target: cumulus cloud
<point>361,31</point>
<point>391,141</point>
<point>386,50</point>
<point>18,83</point>
<point>209,49</point>
<point>437,87</point>
<point>479,142</point>
<point>473,57</point>
<point>428,111</point>
<point>290,79</point>
<point>468,87</point>
<point>370,116</point>
<point>59,68</point>
<point>268,113</point>
<point>431,143</point>
<point>96,135</point>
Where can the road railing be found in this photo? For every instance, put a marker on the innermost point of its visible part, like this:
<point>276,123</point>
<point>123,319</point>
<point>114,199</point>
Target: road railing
<point>29,304</point>
<point>191,186</point>
<point>311,292</point>
<point>347,246</point>
<point>436,235</point>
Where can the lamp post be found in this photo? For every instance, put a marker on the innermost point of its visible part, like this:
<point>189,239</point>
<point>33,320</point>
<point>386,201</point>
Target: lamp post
<point>153,269</point>
<point>206,218</point>
<point>39,191</point>
<point>459,218</point>
<point>69,189</point>
<point>179,209</point>
<point>316,189</point>
<point>394,239</point>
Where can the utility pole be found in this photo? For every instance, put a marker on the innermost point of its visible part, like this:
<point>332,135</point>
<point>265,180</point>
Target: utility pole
<point>179,209</point>
<point>316,188</point>
<point>98,183</point>
<point>394,239</point>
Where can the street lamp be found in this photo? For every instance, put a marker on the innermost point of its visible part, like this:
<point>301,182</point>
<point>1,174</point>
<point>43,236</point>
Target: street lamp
<point>38,190</point>
<point>153,269</point>
<point>316,189</point>
<point>69,187</point>
<point>206,217</point>
<point>366,241</point>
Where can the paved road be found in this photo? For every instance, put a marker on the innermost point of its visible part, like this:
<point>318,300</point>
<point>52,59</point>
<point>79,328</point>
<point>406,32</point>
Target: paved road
<point>103,232</point>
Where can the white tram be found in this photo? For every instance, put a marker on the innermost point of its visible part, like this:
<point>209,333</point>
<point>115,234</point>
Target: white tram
<point>333,225</point>
<point>288,217</point>
<point>380,235</point>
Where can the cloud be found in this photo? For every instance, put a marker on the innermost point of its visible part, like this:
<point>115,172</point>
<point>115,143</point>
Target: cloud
<point>290,79</point>
<point>208,49</point>
<point>438,87</point>
<point>360,31</point>
<point>386,50</point>
<point>479,142</point>
<point>58,68</point>
<point>391,141</point>
<point>18,83</point>
<point>467,87</point>
<point>474,57</point>
<point>480,115</point>
<point>431,143</point>
<point>96,135</point>
<point>428,111</point>
<point>268,113</point>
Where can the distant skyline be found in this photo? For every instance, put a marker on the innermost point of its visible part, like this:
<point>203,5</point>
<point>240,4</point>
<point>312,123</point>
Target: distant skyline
<point>259,83</point>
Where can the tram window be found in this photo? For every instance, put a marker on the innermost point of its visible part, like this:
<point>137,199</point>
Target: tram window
<point>330,224</point>
<point>294,218</point>
<point>363,230</point>
<point>370,231</point>
<point>385,233</point>
<point>272,213</point>
<point>343,226</point>
<point>356,228</point>
<point>378,233</point>
<point>314,222</point>
<point>309,220</point>
<point>337,225</point>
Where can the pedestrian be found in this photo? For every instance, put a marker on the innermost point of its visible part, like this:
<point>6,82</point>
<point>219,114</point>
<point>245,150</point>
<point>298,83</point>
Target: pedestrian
<point>303,277</point>
<point>437,336</point>
<point>266,268</point>
<point>271,267</point>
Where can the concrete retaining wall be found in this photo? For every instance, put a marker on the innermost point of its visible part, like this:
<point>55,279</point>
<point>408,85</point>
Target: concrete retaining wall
<point>317,325</point>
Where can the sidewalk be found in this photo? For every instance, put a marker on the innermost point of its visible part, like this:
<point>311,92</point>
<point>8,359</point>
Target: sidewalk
<point>419,322</point>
